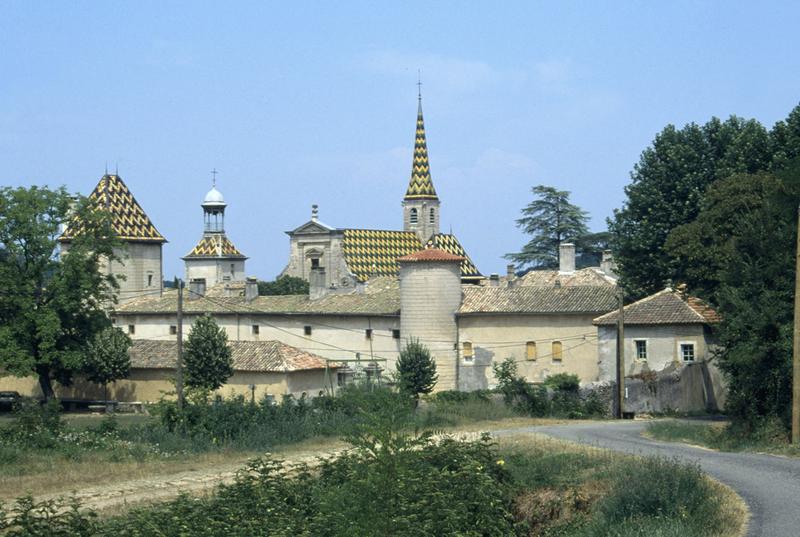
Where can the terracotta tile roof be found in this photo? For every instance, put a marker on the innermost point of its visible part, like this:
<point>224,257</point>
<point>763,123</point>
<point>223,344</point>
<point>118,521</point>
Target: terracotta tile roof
<point>430,254</point>
<point>665,307</point>
<point>548,278</point>
<point>449,243</point>
<point>254,356</point>
<point>384,300</point>
<point>127,217</point>
<point>535,300</point>
<point>214,245</point>
<point>420,186</point>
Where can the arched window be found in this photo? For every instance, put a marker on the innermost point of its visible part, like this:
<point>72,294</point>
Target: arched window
<point>530,350</point>
<point>412,217</point>
<point>466,350</point>
<point>433,216</point>
<point>557,351</point>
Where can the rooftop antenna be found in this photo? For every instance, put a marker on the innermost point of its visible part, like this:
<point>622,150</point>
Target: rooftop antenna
<point>214,177</point>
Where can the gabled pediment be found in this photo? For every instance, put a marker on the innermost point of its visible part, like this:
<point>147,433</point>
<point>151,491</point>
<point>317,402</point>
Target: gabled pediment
<point>311,227</point>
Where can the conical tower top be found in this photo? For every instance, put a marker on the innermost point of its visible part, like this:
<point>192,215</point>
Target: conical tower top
<point>420,186</point>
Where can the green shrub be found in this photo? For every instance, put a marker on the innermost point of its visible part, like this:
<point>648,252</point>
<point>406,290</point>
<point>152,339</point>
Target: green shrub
<point>34,425</point>
<point>563,382</point>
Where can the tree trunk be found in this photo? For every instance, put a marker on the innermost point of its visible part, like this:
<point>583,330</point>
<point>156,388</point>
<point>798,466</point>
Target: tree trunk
<point>46,384</point>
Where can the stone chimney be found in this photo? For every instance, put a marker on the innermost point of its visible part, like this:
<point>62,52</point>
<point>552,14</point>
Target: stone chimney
<point>510,275</point>
<point>494,280</point>
<point>608,265</point>
<point>314,212</point>
<point>316,283</point>
<point>250,288</point>
<point>197,288</point>
<point>566,258</point>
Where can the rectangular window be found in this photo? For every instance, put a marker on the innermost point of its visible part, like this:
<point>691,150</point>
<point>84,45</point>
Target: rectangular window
<point>557,351</point>
<point>641,349</point>
<point>396,334</point>
<point>466,350</point>
<point>307,330</point>
<point>687,352</point>
<point>149,280</point>
<point>173,330</point>
<point>256,328</point>
<point>131,328</point>
<point>368,333</point>
<point>530,350</point>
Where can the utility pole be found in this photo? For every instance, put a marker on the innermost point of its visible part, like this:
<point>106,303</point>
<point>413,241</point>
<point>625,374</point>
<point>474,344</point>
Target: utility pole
<point>620,355</point>
<point>796,344</point>
<point>179,330</point>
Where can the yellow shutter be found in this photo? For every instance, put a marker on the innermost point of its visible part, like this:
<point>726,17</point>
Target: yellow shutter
<point>530,350</point>
<point>557,354</point>
<point>467,349</point>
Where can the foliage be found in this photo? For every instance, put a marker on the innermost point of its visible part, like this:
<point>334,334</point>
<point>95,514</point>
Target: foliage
<point>550,219</point>
<point>207,356</point>
<point>564,382</point>
<point>285,285</point>
<point>517,392</point>
<point>416,370</point>
<point>107,358</point>
<point>51,306</point>
<point>765,434</point>
<point>34,425</point>
<point>667,188</point>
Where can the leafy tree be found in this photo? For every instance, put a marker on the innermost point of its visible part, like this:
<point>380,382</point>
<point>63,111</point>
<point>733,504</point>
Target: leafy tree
<point>285,285</point>
<point>51,306</point>
<point>207,356</point>
<point>590,248</point>
<point>550,219</point>
<point>107,359</point>
<point>667,190</point>
<point>416,370</point>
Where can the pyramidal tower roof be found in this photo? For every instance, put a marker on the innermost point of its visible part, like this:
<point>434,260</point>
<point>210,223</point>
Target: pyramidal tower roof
<point>420,186</point>
<point>128,219</point>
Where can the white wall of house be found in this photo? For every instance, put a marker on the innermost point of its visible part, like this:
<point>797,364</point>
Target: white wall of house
<point>215,270</point>
<point>662,343</point>
<point>496,337</point>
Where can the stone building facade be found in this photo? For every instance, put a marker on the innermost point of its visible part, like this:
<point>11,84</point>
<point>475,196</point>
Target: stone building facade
<point>140,264</point>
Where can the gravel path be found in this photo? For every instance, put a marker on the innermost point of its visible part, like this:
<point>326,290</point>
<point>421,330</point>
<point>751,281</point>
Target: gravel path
<point>770,485</point>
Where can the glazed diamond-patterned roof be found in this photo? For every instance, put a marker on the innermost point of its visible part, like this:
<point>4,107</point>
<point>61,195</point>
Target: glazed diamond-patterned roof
<point>215,245</point>
<point>129,220</point>
<point>450,244</point>
<point>420,186</point>
<point>373,252</point>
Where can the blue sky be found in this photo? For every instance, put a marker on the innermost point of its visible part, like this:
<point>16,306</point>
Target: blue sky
<point>300,103</point>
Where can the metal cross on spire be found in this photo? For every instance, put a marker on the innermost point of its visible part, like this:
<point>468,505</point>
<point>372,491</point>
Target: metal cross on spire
<point>214,177</point>
<point>419,84</point>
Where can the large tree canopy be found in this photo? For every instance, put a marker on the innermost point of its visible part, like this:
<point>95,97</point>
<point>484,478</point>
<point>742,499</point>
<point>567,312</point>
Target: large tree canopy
<point>51,306</point>
<point>550,219</point>
<point>208,357</point>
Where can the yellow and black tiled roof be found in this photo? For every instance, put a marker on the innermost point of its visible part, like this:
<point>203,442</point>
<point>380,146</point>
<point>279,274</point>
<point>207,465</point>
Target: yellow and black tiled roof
<point>450,244</point>
<point>129,220</point>
<point>421,185</point>
<point>373,252</point>
<point>215,245</point>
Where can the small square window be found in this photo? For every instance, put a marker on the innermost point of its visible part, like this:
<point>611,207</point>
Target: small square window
<point>641,349</point>
<point>368,333</point>
<point>173,330</point>
<point>396,334</point>
<point>307,330</point>
<point>256,328</point>
<point>687,352</point>
<point>131,328</point>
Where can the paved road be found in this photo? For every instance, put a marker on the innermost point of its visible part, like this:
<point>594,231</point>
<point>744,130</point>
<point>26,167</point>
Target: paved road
<point>770,485</point>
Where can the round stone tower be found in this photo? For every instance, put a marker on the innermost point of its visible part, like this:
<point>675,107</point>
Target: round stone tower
<point>430,295</point>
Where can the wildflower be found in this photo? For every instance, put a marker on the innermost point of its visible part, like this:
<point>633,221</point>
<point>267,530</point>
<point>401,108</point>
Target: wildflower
<point>501,462</point>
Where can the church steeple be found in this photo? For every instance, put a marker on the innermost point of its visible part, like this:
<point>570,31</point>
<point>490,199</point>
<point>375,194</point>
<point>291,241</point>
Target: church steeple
<point>420,186</point>
<point>421,204</point>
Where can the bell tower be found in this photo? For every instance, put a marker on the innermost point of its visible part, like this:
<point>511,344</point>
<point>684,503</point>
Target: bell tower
<point>421,204</point>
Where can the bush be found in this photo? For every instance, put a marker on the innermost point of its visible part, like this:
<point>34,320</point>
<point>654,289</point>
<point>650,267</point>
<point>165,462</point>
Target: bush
<point>563,382</point>
<point>34,425</point>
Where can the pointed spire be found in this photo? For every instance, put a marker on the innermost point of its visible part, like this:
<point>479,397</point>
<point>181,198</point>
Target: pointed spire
<point>420,186</point>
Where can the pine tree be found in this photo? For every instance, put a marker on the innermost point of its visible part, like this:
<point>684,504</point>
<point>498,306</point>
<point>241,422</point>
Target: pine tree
<point>207,357</point>
<point>551,219</point>
<point>416,370</point>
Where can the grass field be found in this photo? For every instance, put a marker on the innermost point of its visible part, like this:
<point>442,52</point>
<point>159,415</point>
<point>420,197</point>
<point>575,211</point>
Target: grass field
<point>723,436</point>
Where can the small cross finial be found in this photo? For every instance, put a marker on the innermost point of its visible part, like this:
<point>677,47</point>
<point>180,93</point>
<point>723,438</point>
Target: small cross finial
<point>214,177</point>
<point>419,84</point>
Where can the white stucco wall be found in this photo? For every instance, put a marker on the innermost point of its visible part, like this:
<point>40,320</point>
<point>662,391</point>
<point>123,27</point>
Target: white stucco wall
<point>214,270</point>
